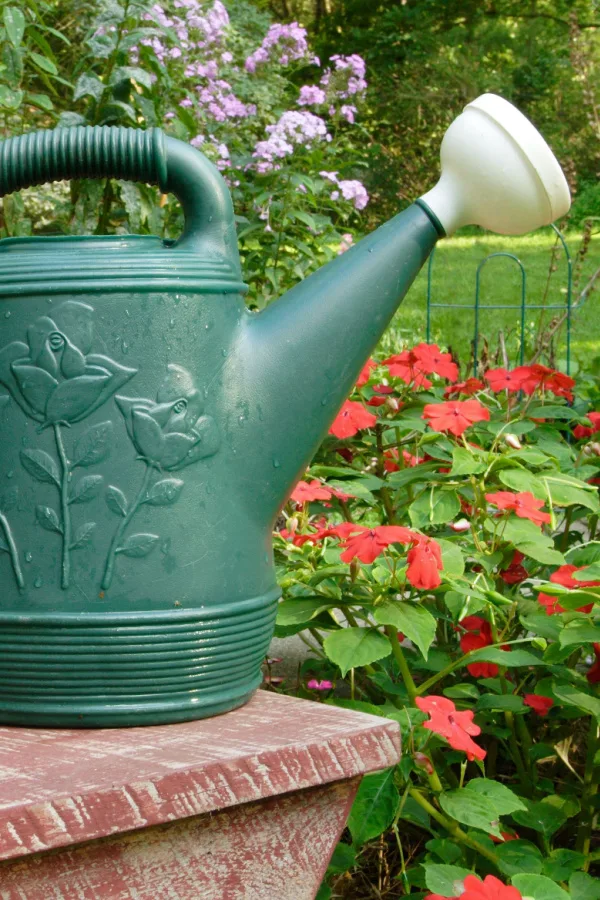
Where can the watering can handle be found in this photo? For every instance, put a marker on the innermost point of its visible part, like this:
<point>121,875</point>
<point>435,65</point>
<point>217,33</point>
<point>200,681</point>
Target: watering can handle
<point>101,151</point>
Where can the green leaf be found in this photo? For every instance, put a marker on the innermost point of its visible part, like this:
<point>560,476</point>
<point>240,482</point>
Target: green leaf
<point>352,647</point>
<point>374,807</point>
<point>422,472</point>
<point>448,881</point>
<point>530,540</point>
<point>116,501</point>
<point>538,887</point>
<point>48,519</point>
<point>88,86</point>
<point>469,808</point>
<point>553,412</point>
<point>584,887</point>
<point>344,857</point>
<point>14,22</point>
<point>590,573</point>
<point>42,101</point>
<point>412,619</point>
<point>435,506</point>
<point>542,817</point>
<point>40,466</point>
<point>465,463</point>
<point>164,492</point>
<point>504,800</point>
<point>294,612</point>
<point>521,480</point>
<point>94,445</point>
<point>83,535</point>
<point>508,658</point>
<point>464,691</point>
<point>566,491</point>
<point>133,73</point>
<point>453,560</point>
<point>43,62</point>
<point>503,702</point>
<point>519,856</point>
<point>579,632</point>
<point>573,697</point>
<point>10,99</point>
<point>585,555</point>
<point>562,863</point>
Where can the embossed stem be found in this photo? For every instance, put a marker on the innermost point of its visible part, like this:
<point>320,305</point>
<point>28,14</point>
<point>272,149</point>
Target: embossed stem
<point>12,549</point>
<point>109,571</point>
<point>64,503</point>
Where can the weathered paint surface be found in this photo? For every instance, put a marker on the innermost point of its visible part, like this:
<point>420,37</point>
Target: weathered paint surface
<point>59,787</point>
<point>277,849</point>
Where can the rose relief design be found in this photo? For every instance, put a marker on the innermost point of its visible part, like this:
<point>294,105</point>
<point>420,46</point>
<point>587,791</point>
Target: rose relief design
<point>169,434</point>
<point>58,382</point>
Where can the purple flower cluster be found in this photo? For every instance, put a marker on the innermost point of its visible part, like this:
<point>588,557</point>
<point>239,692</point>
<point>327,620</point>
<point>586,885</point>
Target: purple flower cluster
<point>283,43</point>
<point>293,129</point>
<point>349,190</point>
<point>347,77</point>
<point>311,95</point>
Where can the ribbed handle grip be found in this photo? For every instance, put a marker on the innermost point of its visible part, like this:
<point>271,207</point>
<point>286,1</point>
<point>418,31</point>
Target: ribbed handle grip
<point>88,152</point>
<point>103,151</point>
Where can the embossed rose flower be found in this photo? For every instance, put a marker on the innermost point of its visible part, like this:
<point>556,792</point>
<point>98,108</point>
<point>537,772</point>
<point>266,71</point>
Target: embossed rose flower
<point>172,432</point>
<point>55,378</point>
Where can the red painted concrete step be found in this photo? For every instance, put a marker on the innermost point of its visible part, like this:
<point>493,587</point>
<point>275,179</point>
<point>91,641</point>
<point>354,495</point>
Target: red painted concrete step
<point>245,806</point>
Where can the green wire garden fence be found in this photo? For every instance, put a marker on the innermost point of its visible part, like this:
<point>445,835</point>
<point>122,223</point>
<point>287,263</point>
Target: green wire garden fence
<point>523,307</point>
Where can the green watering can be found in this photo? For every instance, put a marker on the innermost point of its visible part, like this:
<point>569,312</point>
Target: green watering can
<point>152,427</point>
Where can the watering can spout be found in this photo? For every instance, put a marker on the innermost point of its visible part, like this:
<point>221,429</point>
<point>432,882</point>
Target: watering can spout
<point>304,352</point>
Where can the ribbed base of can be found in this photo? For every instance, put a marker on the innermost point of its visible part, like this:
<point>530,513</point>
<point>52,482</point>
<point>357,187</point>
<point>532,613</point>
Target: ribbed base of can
<point>106,670</point>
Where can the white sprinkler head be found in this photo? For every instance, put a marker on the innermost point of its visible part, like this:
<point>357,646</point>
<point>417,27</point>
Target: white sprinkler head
<point>497,172</point>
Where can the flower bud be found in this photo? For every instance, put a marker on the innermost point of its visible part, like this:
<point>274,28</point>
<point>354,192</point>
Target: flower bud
<point>292,524</point>
<point>513,441</point>
<point>460,525</point>
<point>595,447</point>
<point>392,404</point>
<point>587,450</point>
<point>423,762</point>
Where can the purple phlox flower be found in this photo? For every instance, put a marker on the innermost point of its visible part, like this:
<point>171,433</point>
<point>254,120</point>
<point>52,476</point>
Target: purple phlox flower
<point>227,57</point>
<point>311,95</point>
<point>345,243</point>
<point>353,190</point>
<point>301,188</point>
<point>314,685</point>
<point>348,113</point>
<point>283,44</point>
<point>212,24</point>
<point>347,77</point>
<point>330,176</point>
<point>186,102</point>
<point>170,115</point>
<point>294,128</point>
<point>198,140</point>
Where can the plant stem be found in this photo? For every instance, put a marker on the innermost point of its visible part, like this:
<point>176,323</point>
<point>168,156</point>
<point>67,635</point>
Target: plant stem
<point>109,570</point>
<point>590,789</point>
<point>452,827</point>
<point>409,684</point>
<point>64,505</point>
<point>12,549</point>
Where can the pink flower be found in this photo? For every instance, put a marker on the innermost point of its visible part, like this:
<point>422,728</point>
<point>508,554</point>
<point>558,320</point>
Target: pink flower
<point>314,685</point>
<point>456,727</point>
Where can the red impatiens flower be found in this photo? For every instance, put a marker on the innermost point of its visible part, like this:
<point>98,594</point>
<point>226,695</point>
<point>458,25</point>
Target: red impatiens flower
<point>582,431</point>
<point>382,392</point>
<point>540,705</point>
<point>365,372</point>
<point>593,673</point>
<point>407,367</point>
<point>367,543</point>
<point>424,564</point>
<point>350,419</point>
<point>506,836</point>
<point>515,573</point>
<point>391,456</point>
<point>505,379</point>
<point>539,376</point>
<point>456,727</point>
<point>478,634</point>
<point>431,360</point>
<point>491,888</point>
<point>307,491</point>
<point>468,387</point>
<point>564,577</point>
<point>455,416</point>
<point>524,504</point>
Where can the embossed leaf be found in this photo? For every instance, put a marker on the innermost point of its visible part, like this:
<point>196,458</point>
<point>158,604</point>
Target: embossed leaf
<point>74,398</point>
<point>86,489</point>
<point>36,385</point>
<point>83,536</point>
<point>48,519</point>
<point>94,445</point>
<point>164,492</point>
<point>41,466</point>
<point>139,545</point>
<point>116,500</point>
<point>9,499</point>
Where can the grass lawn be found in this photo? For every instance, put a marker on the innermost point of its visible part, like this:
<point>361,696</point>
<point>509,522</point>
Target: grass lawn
<point>453,281</point>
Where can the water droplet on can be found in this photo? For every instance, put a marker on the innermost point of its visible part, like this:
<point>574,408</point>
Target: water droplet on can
<point>38,582</point>
<point>276,464</point>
